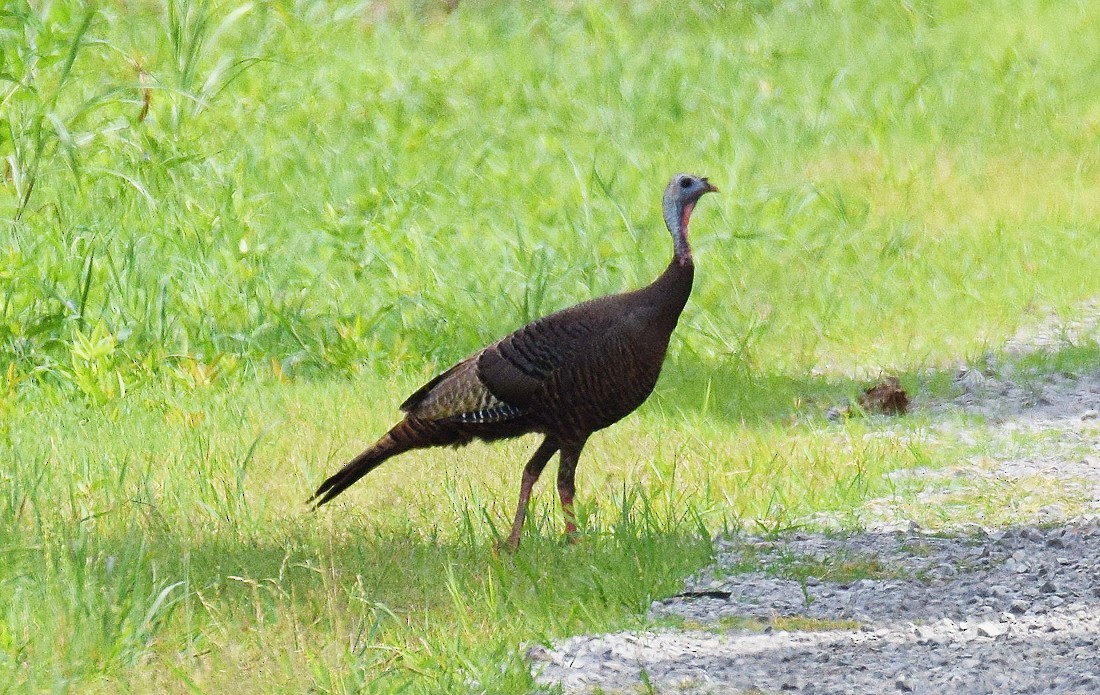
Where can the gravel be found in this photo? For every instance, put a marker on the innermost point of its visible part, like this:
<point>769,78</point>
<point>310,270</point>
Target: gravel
<point>897,608</point>
<point>991,611</point>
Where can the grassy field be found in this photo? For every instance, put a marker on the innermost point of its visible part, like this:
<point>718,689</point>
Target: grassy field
<point>235,236</point>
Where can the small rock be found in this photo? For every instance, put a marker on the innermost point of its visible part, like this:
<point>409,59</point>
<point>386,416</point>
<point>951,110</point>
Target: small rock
<point>993,630</point>
<point>927,635</point>
<point>970,380</point>
<point>1019,606</point>
<point>1090,414</point>
<point>538,653</point>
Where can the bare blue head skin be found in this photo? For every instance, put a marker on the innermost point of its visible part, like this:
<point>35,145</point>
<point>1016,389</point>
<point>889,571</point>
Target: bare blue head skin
<point>683,192</point>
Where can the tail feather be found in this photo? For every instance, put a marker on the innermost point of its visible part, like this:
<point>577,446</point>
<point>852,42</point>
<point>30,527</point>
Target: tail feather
<point>407,434</point>
<point>356,468</point>
<point>347,476</point>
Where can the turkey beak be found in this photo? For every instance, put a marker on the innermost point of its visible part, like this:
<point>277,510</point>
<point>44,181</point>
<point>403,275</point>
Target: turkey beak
<point>710,187</point>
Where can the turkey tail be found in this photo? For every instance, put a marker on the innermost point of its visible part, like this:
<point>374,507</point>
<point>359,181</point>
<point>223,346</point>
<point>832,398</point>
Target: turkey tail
<point>404,436</point>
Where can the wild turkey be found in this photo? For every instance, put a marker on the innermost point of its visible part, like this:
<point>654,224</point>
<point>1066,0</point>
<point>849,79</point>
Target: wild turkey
<point>565,376</point>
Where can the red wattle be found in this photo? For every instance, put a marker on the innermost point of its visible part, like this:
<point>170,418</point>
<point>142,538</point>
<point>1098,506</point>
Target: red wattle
<point>685,216</point>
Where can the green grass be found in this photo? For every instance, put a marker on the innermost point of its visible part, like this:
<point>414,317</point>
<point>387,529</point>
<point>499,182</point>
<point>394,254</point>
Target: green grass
<point>844,568</point>
<point>169,537</point>
<point>234,236</point>
<point>737,624</point>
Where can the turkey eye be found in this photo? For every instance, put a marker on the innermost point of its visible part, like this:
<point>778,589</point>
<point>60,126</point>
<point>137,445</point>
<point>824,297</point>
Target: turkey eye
<point>685,183</point>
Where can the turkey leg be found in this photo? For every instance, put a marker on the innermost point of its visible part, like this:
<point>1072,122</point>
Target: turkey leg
<point>531,474</point>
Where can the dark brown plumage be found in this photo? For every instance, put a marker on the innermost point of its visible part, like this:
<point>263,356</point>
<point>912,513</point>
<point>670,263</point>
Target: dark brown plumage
<point>565,376</point>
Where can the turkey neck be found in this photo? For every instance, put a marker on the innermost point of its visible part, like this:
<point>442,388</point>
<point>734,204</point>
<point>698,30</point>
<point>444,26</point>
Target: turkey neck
<point>669,292</point>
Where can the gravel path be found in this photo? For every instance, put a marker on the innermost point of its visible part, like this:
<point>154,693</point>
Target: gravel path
<point>993,611</point>
<point>897,608</point>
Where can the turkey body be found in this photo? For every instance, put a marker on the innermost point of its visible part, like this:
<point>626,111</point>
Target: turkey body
<point>565,375</point>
